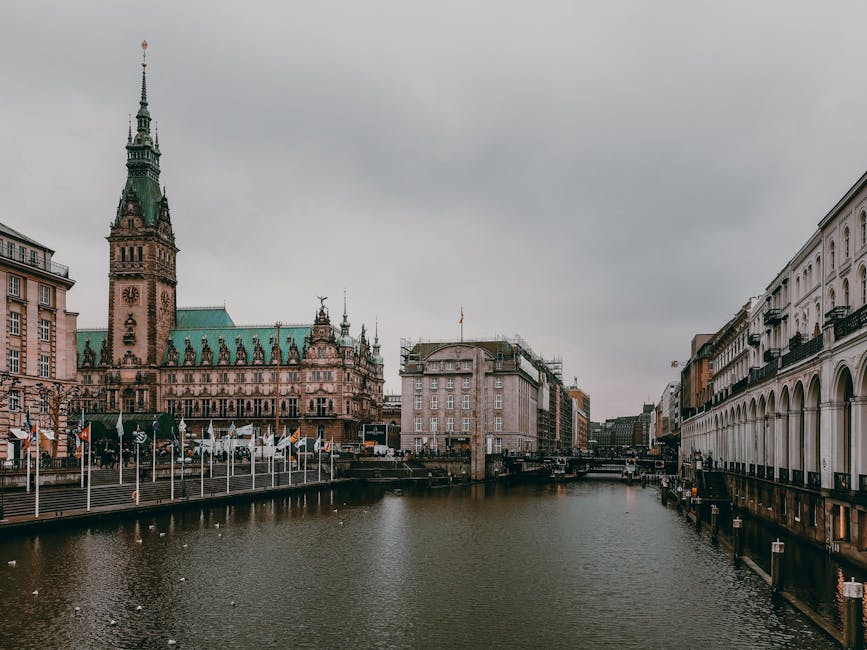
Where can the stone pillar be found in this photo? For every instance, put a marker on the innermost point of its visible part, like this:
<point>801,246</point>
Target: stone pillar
<point>795,443</point>
<point>811,451</point>
<point>859,445</point>
<point>830,452</point>
<point>778,460</point>
<point>778,548</point>
<point>737,538</point>
<point>853,615</point>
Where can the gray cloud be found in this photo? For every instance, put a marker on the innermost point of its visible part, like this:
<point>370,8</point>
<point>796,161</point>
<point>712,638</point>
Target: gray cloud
<point>604,179</point>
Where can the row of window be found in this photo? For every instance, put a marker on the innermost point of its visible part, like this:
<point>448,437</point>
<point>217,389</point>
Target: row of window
<point>256,407</point>
<point>450,425</point>
<point>450,383</point>
<point>450,402</point>
<point>13,364</point>
<point>15,283</point>
<point>15,326</point>
<point>258,377</point>
<point>19,252</point>
<point>419,445</point>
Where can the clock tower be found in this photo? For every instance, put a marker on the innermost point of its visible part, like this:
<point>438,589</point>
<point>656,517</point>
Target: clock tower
<point>142,252</point>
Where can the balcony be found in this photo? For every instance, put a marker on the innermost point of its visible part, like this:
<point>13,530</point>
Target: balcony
<point>796,340</point>
<point>754,339</point>
<point>797,477</point>
<point>851,323</point>
<point>814,480</point>
<point>841,481</point>
<point>803,351</point>
<point>771,354</point>
<point>41,262</point>
<point>759,375</point>
<point>836,313</point>
<point>772,317</point>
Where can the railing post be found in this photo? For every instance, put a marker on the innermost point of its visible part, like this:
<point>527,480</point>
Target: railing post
<point>778,548</point>
<point>853,615</point>
<point>737,538</point>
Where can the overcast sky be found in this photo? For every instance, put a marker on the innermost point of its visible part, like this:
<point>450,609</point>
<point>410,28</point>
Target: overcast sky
<point>605,179</point>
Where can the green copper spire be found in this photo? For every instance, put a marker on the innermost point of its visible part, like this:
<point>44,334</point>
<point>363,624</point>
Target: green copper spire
<point>142,161</point>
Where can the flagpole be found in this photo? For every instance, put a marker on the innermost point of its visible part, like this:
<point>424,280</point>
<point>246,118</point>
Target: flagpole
<point>228,460</point>
<point>305,461</point>
<point>172,497</point>
<point>319,468</point>
<point>332,459</point>
<point>253,457</point>
<point>81,447</point>
<point>154,461</point>
<point>213,448</point>
<point>137,447</point>
<point>120,447</point>
<point>273,454</point>
<point>202,467</point>
<point>29,434</point>
<point>37,471</point>
<point>89,461</point>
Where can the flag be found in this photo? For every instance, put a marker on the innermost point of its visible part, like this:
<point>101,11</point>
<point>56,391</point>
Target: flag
<point>461,321</point>
<point>139,437</point>
<point>211,430</point>
<point>85,433</point>
<point>31,431</point>
<point>317,445</point>
<point>327,447</point>
<point>246,430</point>
<point>231,430</point>
<point>295,436</point>
<point>302,443</point>
<point>119,425</point>
<point>155,426</point>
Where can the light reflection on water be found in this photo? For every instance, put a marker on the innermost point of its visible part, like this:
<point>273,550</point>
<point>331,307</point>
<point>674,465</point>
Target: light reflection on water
<point>590,564</point>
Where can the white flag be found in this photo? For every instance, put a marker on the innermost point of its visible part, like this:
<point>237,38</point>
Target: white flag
<point>119,425</point>
<point>211,430</point>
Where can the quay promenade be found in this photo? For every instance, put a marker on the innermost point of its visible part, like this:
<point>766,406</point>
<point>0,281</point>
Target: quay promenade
<point>109,498</point>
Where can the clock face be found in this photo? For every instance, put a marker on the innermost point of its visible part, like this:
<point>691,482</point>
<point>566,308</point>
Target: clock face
<point>130,295</point>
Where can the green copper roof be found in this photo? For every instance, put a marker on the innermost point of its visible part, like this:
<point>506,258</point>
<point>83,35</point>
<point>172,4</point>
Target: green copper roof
<point>229,335</point>
<point>203,317</point>
<point>96,337</point>
<point>149,196</point>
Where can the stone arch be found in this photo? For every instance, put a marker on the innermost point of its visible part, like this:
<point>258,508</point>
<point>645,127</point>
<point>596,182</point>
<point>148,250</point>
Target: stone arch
<point>784,457</point>
<point>841,406</point>
<point>812,428</point>
<point>751,437</point>
<point>797,415</point>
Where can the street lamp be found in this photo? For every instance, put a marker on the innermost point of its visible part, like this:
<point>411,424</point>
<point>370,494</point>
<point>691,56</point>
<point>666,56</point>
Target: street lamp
<point>182,429</point>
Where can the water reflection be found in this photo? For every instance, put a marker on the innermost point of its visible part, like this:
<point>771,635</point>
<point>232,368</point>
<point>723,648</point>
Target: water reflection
<point>591,564</point>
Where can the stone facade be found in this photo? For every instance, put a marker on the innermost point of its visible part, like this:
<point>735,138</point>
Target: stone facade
<point>196,363</point>
<point>788,424</point>
<point>38,341</point>
<point>490,395</point>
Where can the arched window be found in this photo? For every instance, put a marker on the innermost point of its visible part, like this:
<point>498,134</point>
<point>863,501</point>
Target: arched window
<point>846,243</point>
<point>832,298</point>
<point>846,292</point>
<point>831,253</point>
<point>863,277</point>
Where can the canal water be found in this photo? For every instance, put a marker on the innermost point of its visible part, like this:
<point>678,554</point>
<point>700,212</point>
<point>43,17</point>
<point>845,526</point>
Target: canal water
<point>592,564</point>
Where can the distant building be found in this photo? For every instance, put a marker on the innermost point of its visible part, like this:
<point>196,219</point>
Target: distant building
<point>495,392</point>
<point>582,417</point>
<point>38,341</point>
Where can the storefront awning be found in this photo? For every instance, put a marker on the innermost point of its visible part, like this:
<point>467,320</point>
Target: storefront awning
<point>20,434</point>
